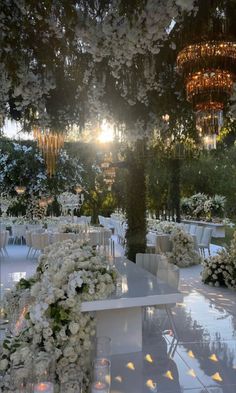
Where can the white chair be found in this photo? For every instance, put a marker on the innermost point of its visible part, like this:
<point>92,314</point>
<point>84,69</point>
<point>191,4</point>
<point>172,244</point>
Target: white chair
<point>199,233</point>
<point>28,241</point>
<point>148,262</point>
<point>192,229</point>
<point>187,227</point>
<point>163,244</point>
<point>205,241</point>
<point>4,237</point>
<point>39,241</point>
<point>18,232</point>
<point>151,242</point>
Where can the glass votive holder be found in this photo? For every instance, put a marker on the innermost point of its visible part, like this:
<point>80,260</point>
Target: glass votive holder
<point>99,387</point>
<point>103,347</point>
<point>44,374</point>
<point>102,371</point>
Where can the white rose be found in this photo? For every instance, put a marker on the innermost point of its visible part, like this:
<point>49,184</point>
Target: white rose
<point>3,364</point>
<point>74,327</point>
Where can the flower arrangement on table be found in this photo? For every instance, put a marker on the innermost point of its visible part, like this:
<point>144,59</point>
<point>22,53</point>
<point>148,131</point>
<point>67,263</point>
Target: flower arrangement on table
<point>205,207</point>
<point>72,228</point>
<point>183,252</point>
<point>163,227</point>
<point>54,326</point>
<point>220,270</point>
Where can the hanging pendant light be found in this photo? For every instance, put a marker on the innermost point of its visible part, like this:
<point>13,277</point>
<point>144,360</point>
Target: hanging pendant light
<point>207,62</point>
<point>209,72</point>
<point>50,143</point>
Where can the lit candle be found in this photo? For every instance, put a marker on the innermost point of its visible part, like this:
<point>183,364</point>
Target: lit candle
<point>45,387</point>
<point>99,387</point>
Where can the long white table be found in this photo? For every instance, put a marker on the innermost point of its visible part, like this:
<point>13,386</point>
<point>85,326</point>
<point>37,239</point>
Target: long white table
<point>120,315</point>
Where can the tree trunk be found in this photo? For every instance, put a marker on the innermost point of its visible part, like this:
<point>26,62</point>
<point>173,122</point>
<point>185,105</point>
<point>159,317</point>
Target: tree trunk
<point>136,201</point>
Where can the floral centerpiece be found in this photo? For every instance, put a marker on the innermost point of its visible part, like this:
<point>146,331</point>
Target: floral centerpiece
<point>201,206</point>
<point>220,270</point>
<point>72,228</point>
<point>68,274</point>
<point>183,252</point>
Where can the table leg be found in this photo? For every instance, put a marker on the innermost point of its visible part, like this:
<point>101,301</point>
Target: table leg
<point>123,326</point>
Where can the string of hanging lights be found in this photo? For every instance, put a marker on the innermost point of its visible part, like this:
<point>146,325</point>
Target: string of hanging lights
<point>50,143</point>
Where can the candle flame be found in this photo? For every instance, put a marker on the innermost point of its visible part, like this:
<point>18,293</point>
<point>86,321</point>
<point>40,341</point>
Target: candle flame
<point>191,372</point>
<point>130,365</point>
<point>118,378</point>
<point>150,384</point>
<point>191,354</point>
<point>149,358</point>
<point>169,375</point>
<point>213,357</point>
<point>217,377</point>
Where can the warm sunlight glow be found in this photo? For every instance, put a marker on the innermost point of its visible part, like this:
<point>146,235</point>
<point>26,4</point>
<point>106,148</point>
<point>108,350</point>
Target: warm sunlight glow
<point>106,133</point>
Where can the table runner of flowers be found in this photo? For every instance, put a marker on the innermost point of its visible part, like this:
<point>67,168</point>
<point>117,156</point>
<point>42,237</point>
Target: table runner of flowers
<point>68,274</point>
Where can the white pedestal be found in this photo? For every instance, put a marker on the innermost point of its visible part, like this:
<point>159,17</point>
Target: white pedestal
<point>123,326</point>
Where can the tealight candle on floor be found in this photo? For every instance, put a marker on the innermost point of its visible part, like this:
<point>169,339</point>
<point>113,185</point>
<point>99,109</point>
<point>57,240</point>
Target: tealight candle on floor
<point>99,387</point>
<point>44,387</point>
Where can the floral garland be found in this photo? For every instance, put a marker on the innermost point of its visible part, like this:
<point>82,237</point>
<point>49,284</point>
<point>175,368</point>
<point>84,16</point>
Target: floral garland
<point>220,270</point>
<point>183,253</point>
<point>54,326</point>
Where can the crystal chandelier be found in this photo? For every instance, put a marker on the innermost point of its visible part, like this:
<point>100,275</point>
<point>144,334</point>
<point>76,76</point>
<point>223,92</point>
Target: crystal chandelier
<point>209,70</point>
<point>50,143</point>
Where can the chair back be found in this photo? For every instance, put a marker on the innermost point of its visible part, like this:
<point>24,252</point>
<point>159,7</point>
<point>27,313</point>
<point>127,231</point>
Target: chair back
<point>206,237</point>
<point>163,244</point>
<point>151,238</point>
<point>18,230</point>
<point>199,233</point>
<point>148,262</point>
<point>168,272</point>
<point>7,235</point>
<point>187,227</point>
<point>192,229</point>
<point>2,239</point>
<point>28,239</point>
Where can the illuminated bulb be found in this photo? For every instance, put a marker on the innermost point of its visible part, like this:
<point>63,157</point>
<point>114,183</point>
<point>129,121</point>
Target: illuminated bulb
<point>213,357</point>
<point>191,372</point>
<point>118,378</point>
<point>149,358</point>
<point>169,375</point>
<point>191,354</point>
<point>130,365</point>
<point>217,377</point>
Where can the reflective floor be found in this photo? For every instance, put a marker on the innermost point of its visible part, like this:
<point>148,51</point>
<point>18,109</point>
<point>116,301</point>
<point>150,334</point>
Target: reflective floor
<point>201,358</point>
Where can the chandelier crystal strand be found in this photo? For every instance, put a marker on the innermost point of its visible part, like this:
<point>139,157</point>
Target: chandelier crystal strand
<point>209,69</point>
<point>50,143</point>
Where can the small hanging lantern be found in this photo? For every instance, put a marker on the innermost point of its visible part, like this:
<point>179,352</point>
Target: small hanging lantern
<point>20,190</point>
<point>50,143</point>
